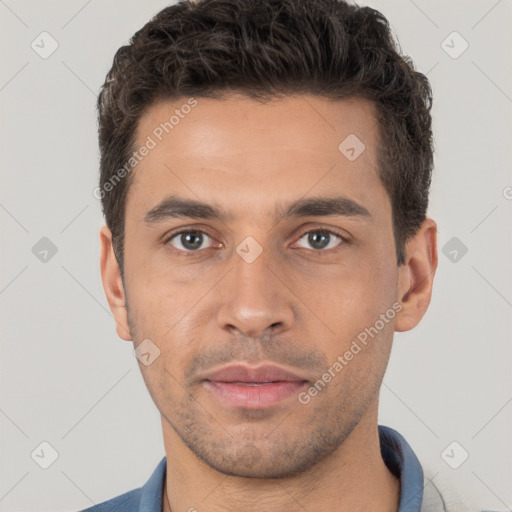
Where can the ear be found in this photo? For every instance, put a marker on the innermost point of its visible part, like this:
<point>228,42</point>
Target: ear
<point>113,284</point>
<point>416,276</point>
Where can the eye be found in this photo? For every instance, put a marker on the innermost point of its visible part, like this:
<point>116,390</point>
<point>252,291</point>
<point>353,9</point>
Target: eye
<point>192,240</point>
<point>189,240</point>
<point>321,239</point>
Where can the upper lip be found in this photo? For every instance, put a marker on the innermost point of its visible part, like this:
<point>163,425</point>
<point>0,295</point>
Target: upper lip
<point>262,373</point>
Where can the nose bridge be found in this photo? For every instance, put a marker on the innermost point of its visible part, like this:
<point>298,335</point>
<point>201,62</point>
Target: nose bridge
<point>253,298</point>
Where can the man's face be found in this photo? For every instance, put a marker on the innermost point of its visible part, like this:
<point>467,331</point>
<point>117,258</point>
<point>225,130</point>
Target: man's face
<point>209,300</point>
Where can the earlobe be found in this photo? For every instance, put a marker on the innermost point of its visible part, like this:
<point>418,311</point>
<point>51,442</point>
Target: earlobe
<point>416,276</point>
<point>113,284</point>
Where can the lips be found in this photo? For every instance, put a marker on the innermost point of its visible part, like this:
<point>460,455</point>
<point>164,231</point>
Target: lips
<point>253,388</point>
<point>245,374</point>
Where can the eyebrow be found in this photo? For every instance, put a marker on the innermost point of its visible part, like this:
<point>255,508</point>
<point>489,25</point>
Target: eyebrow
<point>176,207</point>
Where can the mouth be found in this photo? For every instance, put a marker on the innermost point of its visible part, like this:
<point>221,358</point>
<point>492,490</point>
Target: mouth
<point>244,387</point>
<point>239,383</point>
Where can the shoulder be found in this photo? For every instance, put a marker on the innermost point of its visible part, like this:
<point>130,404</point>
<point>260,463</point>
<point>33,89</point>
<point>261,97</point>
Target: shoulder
<point>127,502</point>
<point>147,498</point>
<point>442,496</point>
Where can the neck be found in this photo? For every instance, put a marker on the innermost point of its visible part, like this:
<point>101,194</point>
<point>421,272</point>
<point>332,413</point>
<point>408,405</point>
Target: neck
<point>353,477</point>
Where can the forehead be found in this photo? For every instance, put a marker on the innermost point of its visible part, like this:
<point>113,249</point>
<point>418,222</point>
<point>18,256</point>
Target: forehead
<point>302,121</point>
<point>253,152</point>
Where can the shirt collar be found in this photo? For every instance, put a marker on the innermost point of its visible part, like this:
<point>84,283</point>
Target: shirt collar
<point>403,463</point>
<point>152,490</point>
<point>396,453</point>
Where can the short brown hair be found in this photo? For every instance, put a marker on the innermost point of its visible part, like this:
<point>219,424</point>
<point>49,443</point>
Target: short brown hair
<point>265,49</point>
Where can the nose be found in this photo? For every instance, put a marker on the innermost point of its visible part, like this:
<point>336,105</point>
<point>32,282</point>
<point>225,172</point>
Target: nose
<point>254,300</point>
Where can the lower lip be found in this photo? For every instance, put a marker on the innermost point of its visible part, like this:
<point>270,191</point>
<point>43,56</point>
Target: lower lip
<point>260,396</point>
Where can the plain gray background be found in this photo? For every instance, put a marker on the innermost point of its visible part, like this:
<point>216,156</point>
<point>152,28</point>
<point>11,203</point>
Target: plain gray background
<point>67,379</point>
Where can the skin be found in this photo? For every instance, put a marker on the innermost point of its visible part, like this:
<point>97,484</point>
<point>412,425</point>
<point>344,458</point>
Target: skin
<point>296,305</point>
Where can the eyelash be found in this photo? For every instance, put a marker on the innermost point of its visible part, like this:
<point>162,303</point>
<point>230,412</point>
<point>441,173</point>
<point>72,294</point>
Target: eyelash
<point>343,239</point>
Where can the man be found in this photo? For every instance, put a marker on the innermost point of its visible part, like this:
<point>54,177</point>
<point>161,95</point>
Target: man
<point>265,168</point>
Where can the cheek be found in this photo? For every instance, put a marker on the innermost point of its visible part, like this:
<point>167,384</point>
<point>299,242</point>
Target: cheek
<point>349,302</point>
<point>156,299</point>
<point>166,313</point>
<point>378,277</point>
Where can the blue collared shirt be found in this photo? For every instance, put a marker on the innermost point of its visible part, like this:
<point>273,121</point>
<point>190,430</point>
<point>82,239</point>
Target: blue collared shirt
<point>396,453</point>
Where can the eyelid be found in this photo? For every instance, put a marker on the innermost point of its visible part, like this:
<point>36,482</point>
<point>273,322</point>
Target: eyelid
<point>324,228</point>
